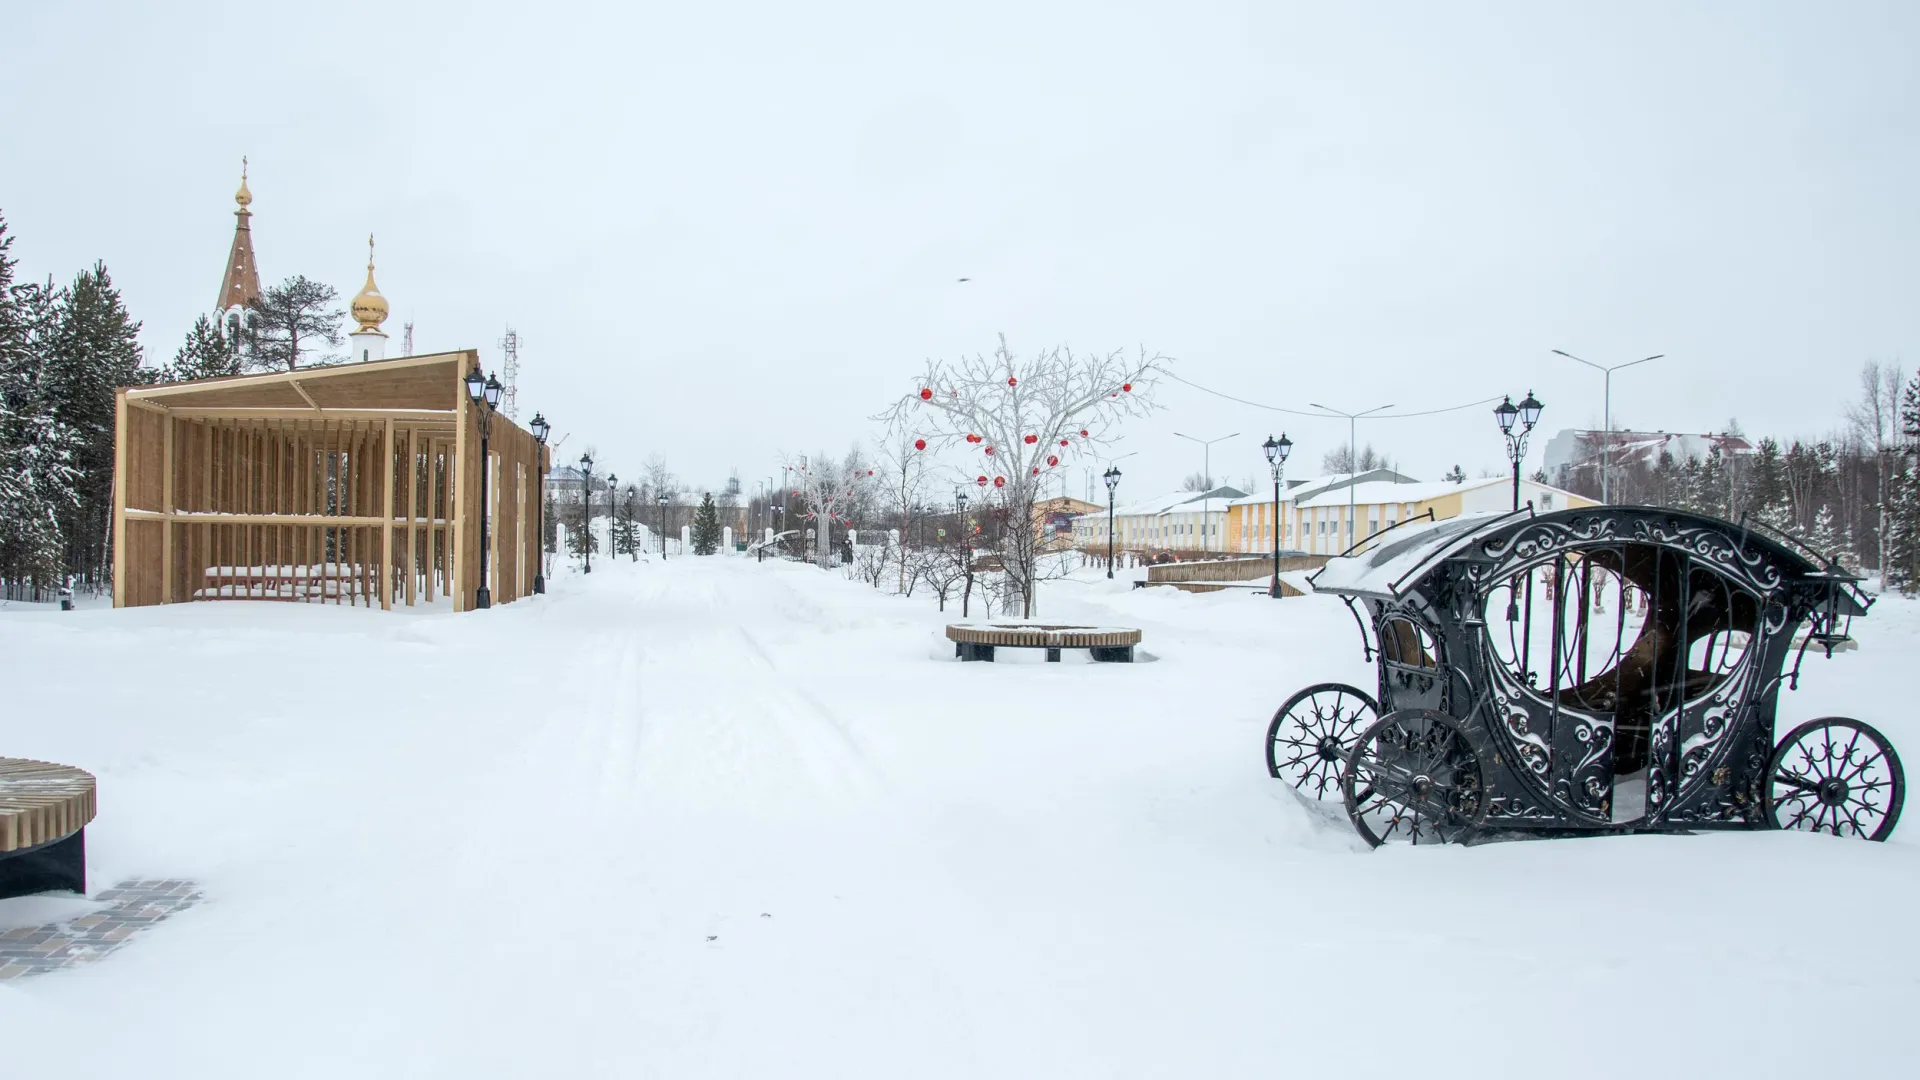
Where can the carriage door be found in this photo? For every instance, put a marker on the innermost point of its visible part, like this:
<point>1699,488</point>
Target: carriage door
<point>1594,618</point>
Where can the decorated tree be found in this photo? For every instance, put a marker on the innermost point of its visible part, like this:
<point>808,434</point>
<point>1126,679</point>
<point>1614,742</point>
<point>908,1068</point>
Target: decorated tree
<point>1019,421</point>
<point>827,492</point>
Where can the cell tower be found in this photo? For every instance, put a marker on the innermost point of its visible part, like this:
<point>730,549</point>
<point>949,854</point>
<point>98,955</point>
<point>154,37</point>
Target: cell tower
<point>406,341</point>
<point>510,398</point>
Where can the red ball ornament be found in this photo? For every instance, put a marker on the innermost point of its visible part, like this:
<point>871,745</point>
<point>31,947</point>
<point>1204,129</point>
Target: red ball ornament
<point>919,444</point>
<point>1011,381</point>
<point>982,481</point>
<point>1051,460</point>
<point>926,395</point>
<point>989,450</point>
<point>1031,439</point>
<point>971,437</point>
<point>1127,386</point>
<point>999,481</point>
<point>1036,470</point>
<point>1063,442</point>
<point>1083,433</point>
<point>869,473</point>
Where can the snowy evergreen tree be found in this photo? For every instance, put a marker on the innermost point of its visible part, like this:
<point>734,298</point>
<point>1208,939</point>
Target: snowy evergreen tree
<point>1765,494</point>
<point>706,527</point>
<point>206,354</point>
<point>580,536</point>
<point>95,351</point>
<point>290,320</point>
<point>37,451</point>
<point>550,526</point>
<point>624,531</point>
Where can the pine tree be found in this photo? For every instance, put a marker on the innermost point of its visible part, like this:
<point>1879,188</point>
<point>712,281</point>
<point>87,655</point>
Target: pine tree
<point>95,351</point>
<point>37,478</point>
<point>580,536</point>
<point>706,527</point>
<point>291,319</point>
<point>206,354</point>
<point>622,535</point>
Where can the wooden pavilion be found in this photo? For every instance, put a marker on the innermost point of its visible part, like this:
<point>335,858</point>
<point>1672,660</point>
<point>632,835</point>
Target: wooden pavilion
<point>346,485</point>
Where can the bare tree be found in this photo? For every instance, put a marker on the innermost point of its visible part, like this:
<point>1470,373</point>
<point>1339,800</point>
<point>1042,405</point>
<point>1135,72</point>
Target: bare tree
<point>828,491</point>
<point>1198,482</point>
<point>903,460</point>
<point>1021,421</point>
<point>1875,421</point>
<point>1340,460</point>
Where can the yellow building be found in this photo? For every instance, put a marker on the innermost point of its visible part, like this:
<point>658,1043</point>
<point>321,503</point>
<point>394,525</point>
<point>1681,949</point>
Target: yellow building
<point>1322,519</point>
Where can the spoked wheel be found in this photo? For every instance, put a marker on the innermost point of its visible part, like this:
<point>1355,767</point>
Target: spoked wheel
<point>1411,778</point>
<point>1311,734</point>
<point>1836,775</point>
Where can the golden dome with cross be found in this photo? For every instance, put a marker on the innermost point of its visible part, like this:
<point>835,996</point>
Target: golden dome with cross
<point>369,307</point>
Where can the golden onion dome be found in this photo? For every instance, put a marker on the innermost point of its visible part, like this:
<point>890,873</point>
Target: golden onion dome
<point>243,196</point>
<point>369,307</point>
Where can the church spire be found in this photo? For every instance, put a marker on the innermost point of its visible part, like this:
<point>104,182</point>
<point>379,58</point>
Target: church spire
<point>240,285</point>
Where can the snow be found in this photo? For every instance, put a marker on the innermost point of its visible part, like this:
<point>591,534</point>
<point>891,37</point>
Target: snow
<point>723,818</point>
<point>1377,569</point>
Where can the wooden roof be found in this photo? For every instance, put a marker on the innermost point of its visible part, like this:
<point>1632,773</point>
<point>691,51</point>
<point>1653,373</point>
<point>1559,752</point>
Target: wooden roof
<point>407,383</point>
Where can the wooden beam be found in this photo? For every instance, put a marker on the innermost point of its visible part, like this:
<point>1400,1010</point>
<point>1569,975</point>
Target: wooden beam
<point>442,417</point>
<point>166,504</point>
<point>148,405</point>
<point>457,533</point>
<point>386,523</point>
<point>302,391</point>
<point>120,498</point>
<point>190,517</point>
<point>224,382</point>
<point>413,506</point>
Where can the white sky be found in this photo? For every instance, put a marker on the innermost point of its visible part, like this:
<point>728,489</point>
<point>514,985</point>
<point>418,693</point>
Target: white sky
<point>725,230</point>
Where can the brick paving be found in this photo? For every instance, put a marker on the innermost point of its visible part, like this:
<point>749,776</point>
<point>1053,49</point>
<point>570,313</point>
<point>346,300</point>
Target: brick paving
<point>132,907</point>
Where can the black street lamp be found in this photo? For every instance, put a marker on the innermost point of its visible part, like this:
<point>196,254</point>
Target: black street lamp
<point>1112,477</point>
<point>966,550</point>
<point>613,515</point>
<point>633,542</point>
<point>1526,414</point>
<point>662,500</point>
<point>540,430</point>
<point>1277,451</point>
<point>485,395</point>
<point>586,510</point>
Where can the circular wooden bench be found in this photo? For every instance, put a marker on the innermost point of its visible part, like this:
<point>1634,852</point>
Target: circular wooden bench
<point>44,811</point>
<point>1106,644</point>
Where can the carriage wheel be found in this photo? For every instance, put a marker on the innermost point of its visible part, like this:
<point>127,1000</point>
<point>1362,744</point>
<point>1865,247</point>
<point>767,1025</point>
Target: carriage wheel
<point>1836,775</point>
<point>1313,731</point>
<point>1412,778</point>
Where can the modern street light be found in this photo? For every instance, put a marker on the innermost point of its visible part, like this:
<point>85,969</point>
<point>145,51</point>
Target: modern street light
<point>1523,416</point>
<point>1206,477</point>
<point>1277,451</point>
<point>540,430</point>
<point>1112,478</point>
<point>1353,457</point>
<point>662,500</point>
<point>1606,450</point>
<point>485,395</point>
<point>586,510</point>
<point>633,542</point>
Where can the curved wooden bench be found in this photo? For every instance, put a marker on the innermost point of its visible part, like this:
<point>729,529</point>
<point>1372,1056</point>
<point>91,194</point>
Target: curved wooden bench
<point>1106,644</point>
<point>44,811</point>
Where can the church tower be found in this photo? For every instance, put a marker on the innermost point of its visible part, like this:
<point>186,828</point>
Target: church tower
<point>369,310</point>
<point>240,286</point>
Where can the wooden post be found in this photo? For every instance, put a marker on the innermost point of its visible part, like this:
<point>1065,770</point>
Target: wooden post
<point>166,506</point>
<point>386,530</point>
<point>120,498</point>
<point>457,480</point>
<point>413,505</point>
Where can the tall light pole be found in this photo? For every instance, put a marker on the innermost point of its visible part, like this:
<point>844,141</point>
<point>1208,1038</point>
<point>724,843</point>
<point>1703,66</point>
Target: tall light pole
<point>1206,477</point>
<point>586,511</point>
<point>633,538</point>
<point>485,394</point>
<point>1112,477</point>
<point>662,500</point>
<point>1606,450</point>
<point>966,551</point>
<point>613,513</point>
<point>540,429</point>
<point>1277,451</point>
<point>1527,414</point>
<point>1353,457</point>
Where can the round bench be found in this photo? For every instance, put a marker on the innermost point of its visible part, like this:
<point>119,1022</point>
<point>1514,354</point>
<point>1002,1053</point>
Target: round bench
<point>44,811</point>
<point>1106,644</point>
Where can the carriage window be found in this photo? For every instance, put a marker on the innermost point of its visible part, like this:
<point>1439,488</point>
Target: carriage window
<point>1403,641</point>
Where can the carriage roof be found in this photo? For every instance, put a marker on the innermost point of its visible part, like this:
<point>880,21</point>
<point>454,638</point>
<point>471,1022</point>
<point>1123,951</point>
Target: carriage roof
<point>1401,560</point>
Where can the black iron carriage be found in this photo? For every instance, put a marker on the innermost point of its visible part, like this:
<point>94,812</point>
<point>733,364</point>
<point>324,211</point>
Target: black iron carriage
<point>1610,669</point>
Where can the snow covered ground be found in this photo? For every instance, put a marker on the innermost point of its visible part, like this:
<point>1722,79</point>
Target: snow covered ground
<point>716,818</point>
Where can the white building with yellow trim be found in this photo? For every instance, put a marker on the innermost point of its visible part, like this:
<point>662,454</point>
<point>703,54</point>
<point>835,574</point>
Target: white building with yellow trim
<point>1318,519</point>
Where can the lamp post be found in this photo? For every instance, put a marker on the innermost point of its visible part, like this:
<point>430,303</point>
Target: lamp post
<point>613,515</point>
<point>633,542</point>
<point>540,430</point>
<point>966,550</point>
<point>662,500</point>
<point>1606,451</point>
<point>485,395</point>
<point>780,511</point>
<point>1206,477</point>
<point>1527,414</point>
<point>1112,477</point>
<point>586,510</point>
<point>1277,451</point>
<point>1353,459</point>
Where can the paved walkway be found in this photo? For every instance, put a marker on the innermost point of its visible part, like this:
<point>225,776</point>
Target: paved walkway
<point>134,906</point>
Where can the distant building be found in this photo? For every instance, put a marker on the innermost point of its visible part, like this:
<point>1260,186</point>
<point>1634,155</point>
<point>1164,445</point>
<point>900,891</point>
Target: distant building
<point>1319,519</point>
<point>1573,456</point>
<point>1182,521</point>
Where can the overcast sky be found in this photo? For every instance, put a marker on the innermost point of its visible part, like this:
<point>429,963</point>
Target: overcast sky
<point>728,230</point>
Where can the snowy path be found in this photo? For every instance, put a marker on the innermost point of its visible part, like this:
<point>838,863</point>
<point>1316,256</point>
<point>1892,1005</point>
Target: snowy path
<point>716,819</point>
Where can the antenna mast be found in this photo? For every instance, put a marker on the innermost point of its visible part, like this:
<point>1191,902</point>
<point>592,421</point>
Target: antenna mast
<point>510,400</point>
<point>406,341</point>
